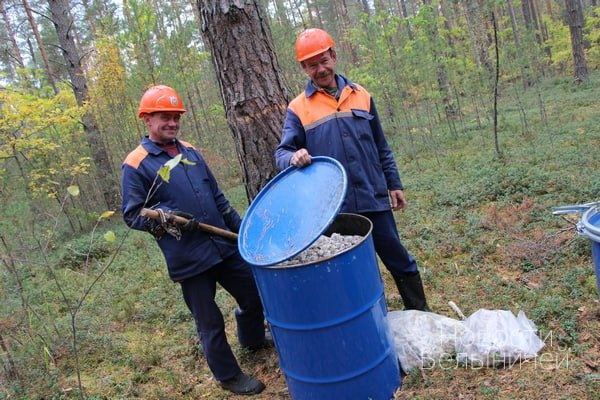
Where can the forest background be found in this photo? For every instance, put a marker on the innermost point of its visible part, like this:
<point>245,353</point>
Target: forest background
<point>491,107</point>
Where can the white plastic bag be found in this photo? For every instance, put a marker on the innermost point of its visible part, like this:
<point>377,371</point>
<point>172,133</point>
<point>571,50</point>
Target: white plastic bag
<point>496,337</point>
<point>423,338</point>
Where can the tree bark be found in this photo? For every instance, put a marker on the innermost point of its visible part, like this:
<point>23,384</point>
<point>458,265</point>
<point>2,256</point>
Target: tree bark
<point>526,13</point>
<point>524,68</point>
<point>343,24</point>
<point>449,24</point>
<point>10,33</point>
<point>379,6</point>
<point>365,7</point>
<point>543,28</point>
<point>40,43</point>
<point>478,30</point>
<point>280,13</point>
<point>441,73</point>
<point>63,23</point>
<point>549,8</point>
<point>141,45</point>
<point>575,20</point>
<point>89,18</point>
<point>254,93</point>
<point>403,9</point>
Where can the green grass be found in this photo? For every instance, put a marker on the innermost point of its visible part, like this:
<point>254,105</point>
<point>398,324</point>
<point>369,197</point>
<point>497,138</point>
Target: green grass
<point>480,227</point>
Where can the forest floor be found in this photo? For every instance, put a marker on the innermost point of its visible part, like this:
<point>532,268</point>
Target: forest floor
<point>479,225</point>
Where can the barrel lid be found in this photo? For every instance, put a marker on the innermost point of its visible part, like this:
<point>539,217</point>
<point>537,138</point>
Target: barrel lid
<point>292,211</point>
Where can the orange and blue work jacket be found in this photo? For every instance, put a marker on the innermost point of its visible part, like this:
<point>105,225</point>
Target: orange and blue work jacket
<point>347,128</point>
<point>192,189</point>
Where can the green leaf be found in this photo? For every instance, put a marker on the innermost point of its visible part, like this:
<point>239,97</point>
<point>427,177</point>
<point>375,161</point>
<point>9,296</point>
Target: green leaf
<point>73,190</point>
<point>47,356</point>
<point>187,162</point>
<point>106,215</point>
<point>110,236</point>
<point>172,163</point>
<point>165,173</point>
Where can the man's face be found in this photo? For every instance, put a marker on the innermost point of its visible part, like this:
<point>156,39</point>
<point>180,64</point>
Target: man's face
<point>162,126</point>
<point>321,69</point>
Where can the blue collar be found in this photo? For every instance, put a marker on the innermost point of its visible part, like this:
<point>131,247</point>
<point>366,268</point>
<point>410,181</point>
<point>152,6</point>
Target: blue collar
<point>341,80</point>
<point>155,149</point>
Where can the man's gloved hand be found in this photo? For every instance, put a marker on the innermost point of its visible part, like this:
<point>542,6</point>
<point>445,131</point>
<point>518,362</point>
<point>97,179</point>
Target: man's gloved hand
<point>190,225</point>
<point>232,220</point>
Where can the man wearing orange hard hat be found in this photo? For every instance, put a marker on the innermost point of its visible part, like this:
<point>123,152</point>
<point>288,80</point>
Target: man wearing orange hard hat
<point>195,259</point>
<point>337,118</point>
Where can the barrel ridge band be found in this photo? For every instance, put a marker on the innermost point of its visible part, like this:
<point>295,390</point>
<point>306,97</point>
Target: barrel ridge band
<point>345,377</point>
<point>326,324</point>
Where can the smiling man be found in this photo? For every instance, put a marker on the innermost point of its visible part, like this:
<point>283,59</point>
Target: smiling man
<point>195,259</point>
<point>337,118</point>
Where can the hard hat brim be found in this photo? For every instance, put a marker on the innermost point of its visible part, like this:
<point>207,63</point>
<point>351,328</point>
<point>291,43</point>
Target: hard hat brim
<point>312,54</point>
<point>153,110</point>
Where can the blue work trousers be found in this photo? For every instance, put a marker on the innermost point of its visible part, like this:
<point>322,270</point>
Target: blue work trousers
<point>235,276</point>
<point>388,245</point>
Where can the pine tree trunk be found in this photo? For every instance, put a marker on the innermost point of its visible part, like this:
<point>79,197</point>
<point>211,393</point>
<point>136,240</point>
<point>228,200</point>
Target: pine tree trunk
<point>575,20</point>
<point>63,23</point>
<point>343,25</point>
<point>15,54</point>
<point>309,12</point>
<point>252,88</point>
<point>543,29</point>
<point>31,51</point>
<point>141,47</point>
<point>298,8</point>
<point>549,8</point>
<point>280,13</point>
<point>526,14</point>
<point>441,73</point>
<point>40,43</point>
<point>534,18</point>
<point>479,35</point>
<point>448,25</point>
<point>365,7</point>
<point>89,19</point>
<point>403,8</point>
<point>522,62</point>
<point>379,6</point>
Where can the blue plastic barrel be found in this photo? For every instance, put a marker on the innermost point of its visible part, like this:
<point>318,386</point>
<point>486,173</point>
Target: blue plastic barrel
<point>589,227</point>
<point>329,323</point>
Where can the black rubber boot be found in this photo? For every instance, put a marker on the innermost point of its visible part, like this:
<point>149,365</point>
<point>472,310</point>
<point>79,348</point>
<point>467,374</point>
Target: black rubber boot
<point>243,384</point>
<point>268,343</point>
<point>411,290</point>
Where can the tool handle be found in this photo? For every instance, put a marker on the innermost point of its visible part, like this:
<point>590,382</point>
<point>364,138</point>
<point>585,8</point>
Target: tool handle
<point>153,214</point>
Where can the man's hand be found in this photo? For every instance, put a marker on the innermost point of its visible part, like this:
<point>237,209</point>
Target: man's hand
<point>300,158</point>
<point>190,225</point>
<point>398,199</point>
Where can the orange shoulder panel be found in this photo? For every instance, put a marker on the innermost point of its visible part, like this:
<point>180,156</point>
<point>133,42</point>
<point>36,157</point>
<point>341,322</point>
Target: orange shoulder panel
<point>187,144</point>
<point>135,158</point>
<point>358,99</point>
<point>314,108</point>
<point>299,108</point>
<point>320,107</point>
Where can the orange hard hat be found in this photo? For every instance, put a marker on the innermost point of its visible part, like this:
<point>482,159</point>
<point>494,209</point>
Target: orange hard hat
<point>312,42</point>
<point>160,98</point>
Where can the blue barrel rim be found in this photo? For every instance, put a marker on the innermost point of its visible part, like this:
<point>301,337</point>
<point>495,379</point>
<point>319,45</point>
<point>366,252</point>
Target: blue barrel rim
<point>590,235</point>
<point>263,192</point>
<point>320,260</point>
<point>585,221</point>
